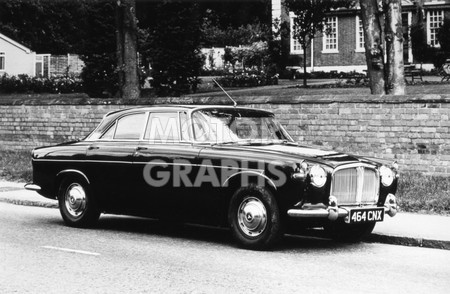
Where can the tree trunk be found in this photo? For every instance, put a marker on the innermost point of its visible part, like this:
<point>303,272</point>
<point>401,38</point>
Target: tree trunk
<point>395,83</point>
<point>126,37</point>
<point>304,68</point>
<point>373,37</point>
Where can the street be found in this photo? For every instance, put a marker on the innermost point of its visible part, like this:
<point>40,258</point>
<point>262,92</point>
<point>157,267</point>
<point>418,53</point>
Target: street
<point>38,254</point>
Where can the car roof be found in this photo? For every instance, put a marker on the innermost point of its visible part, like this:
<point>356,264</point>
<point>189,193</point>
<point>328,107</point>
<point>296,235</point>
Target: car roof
<point>113,115</point>
<point>175,108</point>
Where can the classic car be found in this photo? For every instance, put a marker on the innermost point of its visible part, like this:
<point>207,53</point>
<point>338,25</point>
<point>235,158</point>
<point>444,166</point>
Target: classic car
<point>224,166</point>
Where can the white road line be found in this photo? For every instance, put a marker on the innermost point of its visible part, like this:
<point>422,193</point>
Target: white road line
<point>71,250</point>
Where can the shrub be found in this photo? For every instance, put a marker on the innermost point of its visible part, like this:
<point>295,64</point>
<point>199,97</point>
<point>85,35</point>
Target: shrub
<point>27,84</point>
<point>100,78</point>
<point>248,80</point>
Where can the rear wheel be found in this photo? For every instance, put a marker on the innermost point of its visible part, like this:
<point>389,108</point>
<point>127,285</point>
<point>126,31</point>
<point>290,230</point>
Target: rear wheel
<point>254,218</point>
<point>77,206</point>
<point>349,233</point>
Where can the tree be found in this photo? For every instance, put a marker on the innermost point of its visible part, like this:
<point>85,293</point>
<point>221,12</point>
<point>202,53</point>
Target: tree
<point>214,36</point>
<point>383,78</point>
<point>373,43</point>
<point>84,27</point>
<point>172,46</point>
<point>311,20</point>
<point>97,47</point>
<point>395,80</point>
<point>43,26</point>
<point>126,38</point>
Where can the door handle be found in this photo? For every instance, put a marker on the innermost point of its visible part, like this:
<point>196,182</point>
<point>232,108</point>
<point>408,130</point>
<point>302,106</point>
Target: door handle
<point>93,147</point>
<point>141,148</point>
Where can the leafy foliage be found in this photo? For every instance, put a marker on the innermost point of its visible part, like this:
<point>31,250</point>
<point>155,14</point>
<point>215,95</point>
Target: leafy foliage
<point>214,36</point>
<point>84,27</point>
<point>27,84</point>
<point>44,26</point>
<point>248,80</point>
<point>98,49</point>
<point>171,44</point>
<point>255,55</point>
<point>100,75</point>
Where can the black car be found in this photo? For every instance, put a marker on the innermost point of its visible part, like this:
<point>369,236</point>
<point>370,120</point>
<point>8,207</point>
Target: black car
<point>214,165</point>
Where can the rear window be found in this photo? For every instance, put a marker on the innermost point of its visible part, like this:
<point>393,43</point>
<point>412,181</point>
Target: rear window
<point>127,128</point>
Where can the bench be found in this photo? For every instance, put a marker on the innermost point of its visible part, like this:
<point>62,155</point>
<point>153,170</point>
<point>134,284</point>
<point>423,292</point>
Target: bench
<point>445,71</point>
<point>413,71</point>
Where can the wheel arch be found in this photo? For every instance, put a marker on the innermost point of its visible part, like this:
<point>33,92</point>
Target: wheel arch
<point>69,172</point>
<point>253,177</point>
<point>235,182</point>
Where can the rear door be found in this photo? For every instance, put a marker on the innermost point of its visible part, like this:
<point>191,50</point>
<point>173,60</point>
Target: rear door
<point>110,161</point>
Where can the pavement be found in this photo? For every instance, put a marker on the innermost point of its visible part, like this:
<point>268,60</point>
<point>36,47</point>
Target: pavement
<point>408,229</point>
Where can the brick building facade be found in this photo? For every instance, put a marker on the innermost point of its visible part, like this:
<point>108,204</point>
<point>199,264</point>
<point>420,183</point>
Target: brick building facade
<point>343,49</point>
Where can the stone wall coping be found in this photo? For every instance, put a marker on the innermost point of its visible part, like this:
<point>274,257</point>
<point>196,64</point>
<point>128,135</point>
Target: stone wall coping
<point>241,100</point>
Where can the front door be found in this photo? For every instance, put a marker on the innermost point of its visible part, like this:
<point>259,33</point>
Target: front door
<point>165,164</point>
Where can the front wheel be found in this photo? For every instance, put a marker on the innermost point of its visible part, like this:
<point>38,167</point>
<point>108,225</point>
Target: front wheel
<point>349,233</point>
<point>77,206</point>
<point>254,218</point>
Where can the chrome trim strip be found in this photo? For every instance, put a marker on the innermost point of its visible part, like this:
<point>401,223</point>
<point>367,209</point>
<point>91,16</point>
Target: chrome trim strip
<point>260,171</point>
<point>255,172</point>
<point>83,161</point>
<point>66,171</point>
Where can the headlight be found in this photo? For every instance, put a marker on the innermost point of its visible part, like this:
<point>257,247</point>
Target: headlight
<point>318,176</point>
<point>387,176</point>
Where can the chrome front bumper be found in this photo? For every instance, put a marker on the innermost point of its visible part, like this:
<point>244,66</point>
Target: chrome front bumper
<point>333,212</point>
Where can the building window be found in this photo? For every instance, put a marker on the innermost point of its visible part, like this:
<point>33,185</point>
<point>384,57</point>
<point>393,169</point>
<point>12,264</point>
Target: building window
<point>359,35</point>
<point>296,47</point>
<point>2,61</point>
<point>330,38</point>
<point>42,65</point>
<point>434,22</point>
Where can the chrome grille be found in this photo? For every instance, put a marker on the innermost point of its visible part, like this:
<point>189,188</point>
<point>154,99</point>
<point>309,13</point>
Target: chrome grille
<point>355,185</point>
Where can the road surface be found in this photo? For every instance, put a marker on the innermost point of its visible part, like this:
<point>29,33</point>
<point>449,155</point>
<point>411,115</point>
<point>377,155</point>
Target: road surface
<point>38,254</point>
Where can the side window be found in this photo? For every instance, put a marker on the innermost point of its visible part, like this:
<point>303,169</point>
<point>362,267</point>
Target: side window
<point>201,133</point>
<point>2,61</point>
<point>184,125</point>
<point>109,135</point>
<point>163,127</point>
<point>130,127</point>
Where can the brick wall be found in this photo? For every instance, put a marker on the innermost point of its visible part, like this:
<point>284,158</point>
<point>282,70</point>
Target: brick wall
<point>415,131</point>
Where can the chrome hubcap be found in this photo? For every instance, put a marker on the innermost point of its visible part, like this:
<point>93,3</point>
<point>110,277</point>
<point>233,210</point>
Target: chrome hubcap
<point>75,200</point>
<point>252,216</point>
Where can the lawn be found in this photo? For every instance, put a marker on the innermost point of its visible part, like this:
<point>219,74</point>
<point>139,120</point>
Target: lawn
<point>15,166</point>
<point>416,192</point>
<point>318,87</point>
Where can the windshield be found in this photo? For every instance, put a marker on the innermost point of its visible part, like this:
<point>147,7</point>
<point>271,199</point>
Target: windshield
<point>237,126</point>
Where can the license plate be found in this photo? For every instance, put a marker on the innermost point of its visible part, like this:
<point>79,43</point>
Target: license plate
<point>365,215</point>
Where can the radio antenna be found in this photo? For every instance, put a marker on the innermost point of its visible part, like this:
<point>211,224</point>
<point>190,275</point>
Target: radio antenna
<point>223,90</point>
